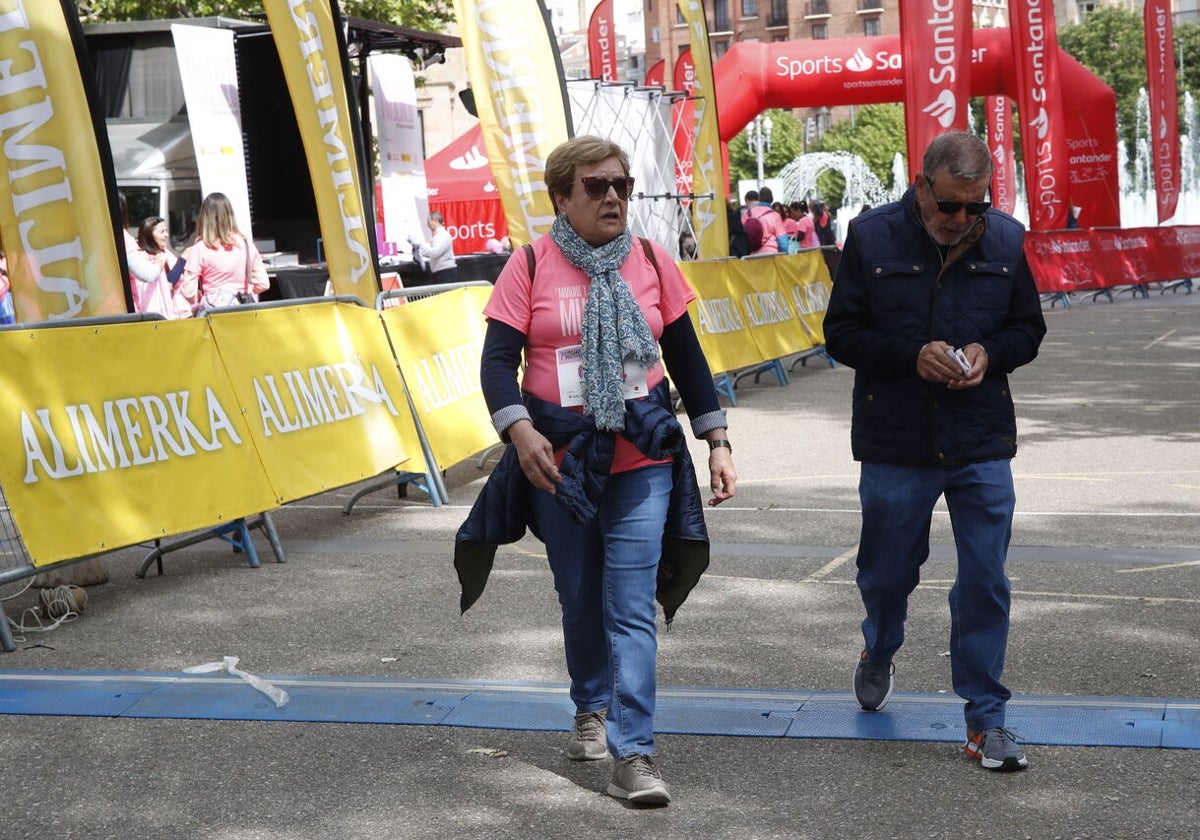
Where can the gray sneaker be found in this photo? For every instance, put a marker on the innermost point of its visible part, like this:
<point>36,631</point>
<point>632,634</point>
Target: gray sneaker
<point>873,683</point>
<point>587,741</point>
<point>636,779</point>
<point>996,749</point>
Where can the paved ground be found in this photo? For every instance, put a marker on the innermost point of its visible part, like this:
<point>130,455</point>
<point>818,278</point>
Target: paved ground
<point>1104,570</point>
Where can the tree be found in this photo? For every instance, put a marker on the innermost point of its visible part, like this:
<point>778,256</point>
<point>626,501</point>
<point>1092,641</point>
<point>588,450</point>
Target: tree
<point>1110,42</point>
<point>428,15</point>
<point>787,143</point>
<point>875,134</point>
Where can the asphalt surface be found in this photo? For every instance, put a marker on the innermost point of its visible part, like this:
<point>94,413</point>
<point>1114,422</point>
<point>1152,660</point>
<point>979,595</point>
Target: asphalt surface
<point>1105,570</point>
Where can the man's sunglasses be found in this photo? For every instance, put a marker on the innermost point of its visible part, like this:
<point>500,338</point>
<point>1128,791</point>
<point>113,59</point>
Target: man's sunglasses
<point>597,188</point>
<point>974,208</point>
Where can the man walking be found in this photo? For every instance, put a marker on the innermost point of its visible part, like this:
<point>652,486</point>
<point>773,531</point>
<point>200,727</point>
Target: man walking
<point>933,306</point>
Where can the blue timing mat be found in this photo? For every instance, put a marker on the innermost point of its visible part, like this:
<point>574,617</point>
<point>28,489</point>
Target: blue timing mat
<point>1065,721</point>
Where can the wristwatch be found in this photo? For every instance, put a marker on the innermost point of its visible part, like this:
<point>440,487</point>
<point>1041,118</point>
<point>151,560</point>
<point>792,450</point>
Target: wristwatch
<point>718,443</point>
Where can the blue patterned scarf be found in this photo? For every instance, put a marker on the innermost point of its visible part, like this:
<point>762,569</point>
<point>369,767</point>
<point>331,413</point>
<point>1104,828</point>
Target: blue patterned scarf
<point>614,330</point>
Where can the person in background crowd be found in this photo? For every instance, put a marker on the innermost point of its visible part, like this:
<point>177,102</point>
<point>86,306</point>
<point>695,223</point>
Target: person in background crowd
<point>7,315</point>
<point>800,225</point>
<point>148,288</point>
<point>739,245</point>
<point>154,240</point>
<point>599,466</point>
<point>439,253</point>
<point>934,305</point>
<point>758,208</point>
<point>223,267</point>
<point>823,223</point>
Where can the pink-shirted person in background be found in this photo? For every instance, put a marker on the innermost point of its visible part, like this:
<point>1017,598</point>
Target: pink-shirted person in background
<point>223,266</point>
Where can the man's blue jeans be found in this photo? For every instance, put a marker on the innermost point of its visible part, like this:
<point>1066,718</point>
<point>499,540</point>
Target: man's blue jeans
<point>605,572</point>
<point>897,505</point>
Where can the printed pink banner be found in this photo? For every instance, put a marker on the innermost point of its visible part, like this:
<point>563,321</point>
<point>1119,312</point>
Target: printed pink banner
<point>935,50</point>
<point>1164,107</point>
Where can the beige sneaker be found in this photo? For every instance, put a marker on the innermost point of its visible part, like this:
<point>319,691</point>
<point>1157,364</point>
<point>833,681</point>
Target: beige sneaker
<point>587,741</point>
<point>636,778</point>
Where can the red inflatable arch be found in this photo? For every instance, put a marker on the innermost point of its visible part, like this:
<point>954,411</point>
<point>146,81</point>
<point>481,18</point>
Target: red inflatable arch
<point>752,77</point>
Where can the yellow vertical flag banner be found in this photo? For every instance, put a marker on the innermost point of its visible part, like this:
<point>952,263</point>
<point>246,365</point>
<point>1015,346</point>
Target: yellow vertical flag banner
<point>309,50</point>
<point>438,342</point>
<point>55,222</point>
<point>708,177</point>
<point>98,453</point>
<point>325,411</point>
<point>513,65</point>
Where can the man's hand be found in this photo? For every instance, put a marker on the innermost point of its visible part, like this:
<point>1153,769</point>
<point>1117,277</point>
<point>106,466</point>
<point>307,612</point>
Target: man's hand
<point>935,363</point>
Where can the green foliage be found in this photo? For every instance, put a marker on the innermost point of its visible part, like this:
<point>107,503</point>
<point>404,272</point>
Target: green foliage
<point>1111,43</point>
<point>787,144</point>
<point>428,15</point>
<point>875,134</point>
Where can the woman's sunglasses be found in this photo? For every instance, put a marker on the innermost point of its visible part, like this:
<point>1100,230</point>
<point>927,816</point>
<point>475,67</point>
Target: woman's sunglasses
<point>597,188</point>
<point>974,208</point>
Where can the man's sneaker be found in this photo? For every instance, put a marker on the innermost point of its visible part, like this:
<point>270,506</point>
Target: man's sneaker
<point>587,741</point>
<point>873,683</point>
<point>637,779</point>
<point>996,749</point>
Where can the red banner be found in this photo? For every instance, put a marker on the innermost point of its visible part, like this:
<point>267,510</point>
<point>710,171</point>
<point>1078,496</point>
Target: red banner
<point>1000,141</point>
<point>1098,258</point>
<point>1164,107</point>
<point>1043,118</point>
<point>935,50</point>
<point>656,76</point>
<point>602,43</point>
<point>684,120</point>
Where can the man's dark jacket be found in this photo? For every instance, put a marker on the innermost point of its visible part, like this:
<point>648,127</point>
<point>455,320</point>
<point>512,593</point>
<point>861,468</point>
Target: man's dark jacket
<point>893,293</point>
<point>502,511</point>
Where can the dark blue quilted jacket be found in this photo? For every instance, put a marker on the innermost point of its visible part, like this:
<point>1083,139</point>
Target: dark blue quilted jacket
<point>502,512</point>
<point>894,293</point>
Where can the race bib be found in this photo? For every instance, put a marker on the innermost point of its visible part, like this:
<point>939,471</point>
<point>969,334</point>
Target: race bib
<point>569,361</point>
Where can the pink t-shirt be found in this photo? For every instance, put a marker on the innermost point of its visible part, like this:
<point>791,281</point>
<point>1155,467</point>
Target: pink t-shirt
<point>549,312</point>
<point>806,232</point>
<point>772,227</point>
<point>220,273</point>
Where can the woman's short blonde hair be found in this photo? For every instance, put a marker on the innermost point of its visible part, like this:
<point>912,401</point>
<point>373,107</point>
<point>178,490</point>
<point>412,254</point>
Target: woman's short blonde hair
<point>560,165</point>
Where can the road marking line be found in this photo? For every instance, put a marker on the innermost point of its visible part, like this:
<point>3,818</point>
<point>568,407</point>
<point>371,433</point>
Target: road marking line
<point>1159,568</point>
<point>1167,334</point>
<point>834,564</point>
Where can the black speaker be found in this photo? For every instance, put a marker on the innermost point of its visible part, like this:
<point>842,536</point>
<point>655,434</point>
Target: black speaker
<point>468,100</point>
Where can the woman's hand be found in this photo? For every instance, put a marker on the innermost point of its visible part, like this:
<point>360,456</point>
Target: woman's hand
<point>722,475</point>
<point>535,454</point>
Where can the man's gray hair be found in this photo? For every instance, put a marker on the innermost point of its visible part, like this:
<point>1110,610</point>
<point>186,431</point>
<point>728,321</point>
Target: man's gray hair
<point>960,154</point>
<point>437,217</point>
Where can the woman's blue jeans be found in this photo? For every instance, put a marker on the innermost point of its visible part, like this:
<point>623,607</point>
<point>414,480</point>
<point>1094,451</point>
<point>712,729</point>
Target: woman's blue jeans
<point>897,505</point>
<point>605,572</point>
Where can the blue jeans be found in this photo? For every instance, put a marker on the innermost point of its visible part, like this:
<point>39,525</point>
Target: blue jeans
<point>897,505</point>
<point>605,573</point>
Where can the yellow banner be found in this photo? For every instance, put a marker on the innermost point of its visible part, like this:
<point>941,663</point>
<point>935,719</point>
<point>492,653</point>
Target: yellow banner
<point>513,66</point>
<point>308,47</point>
<point>326,410</point>
<point>102,448</point>
<point>708,176</point>
<point>55,223</point>
<point>772,322</point>
<point>805,280</point>
<point>439,342</point>
<point>718,317</point>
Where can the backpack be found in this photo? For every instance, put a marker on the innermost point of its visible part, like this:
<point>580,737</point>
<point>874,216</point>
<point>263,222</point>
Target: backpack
<point>754,232</point>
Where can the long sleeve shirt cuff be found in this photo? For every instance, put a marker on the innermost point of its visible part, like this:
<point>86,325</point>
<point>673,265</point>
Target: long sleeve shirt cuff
<point>508,415</point>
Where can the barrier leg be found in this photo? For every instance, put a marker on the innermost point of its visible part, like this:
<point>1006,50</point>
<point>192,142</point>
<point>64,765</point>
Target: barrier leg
<point>6,636</point>
<point>221,532</point>
<point>267,524</point>
<point>725,385</point>
<point>423,481</point>
<point>767,367</point>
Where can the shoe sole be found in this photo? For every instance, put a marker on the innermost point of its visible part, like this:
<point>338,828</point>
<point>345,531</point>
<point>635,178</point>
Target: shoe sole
<point>657,795</point>
<point>585,755</point>
<point>1007,765</point>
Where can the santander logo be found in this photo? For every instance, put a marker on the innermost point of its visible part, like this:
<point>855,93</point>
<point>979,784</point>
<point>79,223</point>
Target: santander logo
<point>943,109</point>
<point>470,159</point>
<point>860,62</point>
